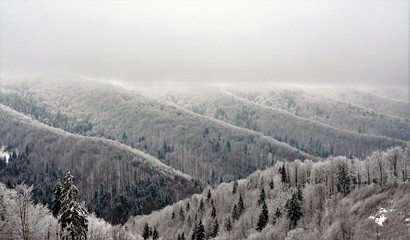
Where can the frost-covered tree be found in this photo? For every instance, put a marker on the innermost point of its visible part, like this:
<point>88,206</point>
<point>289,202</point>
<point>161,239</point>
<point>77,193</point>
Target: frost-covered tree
<point>71,216</point>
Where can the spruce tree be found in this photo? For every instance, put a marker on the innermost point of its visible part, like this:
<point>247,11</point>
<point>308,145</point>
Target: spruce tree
<point>235,187</point>
<point>145,232</point>
<point>201,206</point>
<point>155,234</point>
<point>294,210</point>
<point>228,224</point>
<point>344,179</point>
<point>198,231</point>
<point>71,216</point>
<point>213,212</point>
<point>263,218</point>
<point>271,184</point>
<point>284,177</point>
<point>235,215</point>
<point>181,214</point>
<point>57,200</point>
<point>241,206</point>
<point>262,197</point>
<point>215,229</point>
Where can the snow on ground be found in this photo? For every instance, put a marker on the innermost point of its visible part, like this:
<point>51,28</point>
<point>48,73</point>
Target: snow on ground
<point>380,217</point>
<point>4,154</point>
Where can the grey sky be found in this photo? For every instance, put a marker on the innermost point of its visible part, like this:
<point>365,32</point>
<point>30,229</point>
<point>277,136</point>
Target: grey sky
<point>309,42</point>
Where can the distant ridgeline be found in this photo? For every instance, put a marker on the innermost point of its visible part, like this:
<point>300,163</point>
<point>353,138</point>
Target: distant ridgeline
<point>211,134</point>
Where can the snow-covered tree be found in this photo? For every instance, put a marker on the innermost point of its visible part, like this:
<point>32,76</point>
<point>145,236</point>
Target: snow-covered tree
<point>71,215</point>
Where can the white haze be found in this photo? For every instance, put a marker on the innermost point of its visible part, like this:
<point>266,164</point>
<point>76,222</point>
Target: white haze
<point>353,43</point>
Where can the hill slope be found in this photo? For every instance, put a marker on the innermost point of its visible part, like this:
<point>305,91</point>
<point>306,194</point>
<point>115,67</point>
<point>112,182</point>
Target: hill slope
<point>114,180</point>
<point>202,147</point>
<point>336,198</point>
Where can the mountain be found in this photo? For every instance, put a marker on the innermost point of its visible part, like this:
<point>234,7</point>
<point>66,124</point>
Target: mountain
<point>336,198</point>
<point>115,180</point>
<point>286,114</point>
<point>203,147</point>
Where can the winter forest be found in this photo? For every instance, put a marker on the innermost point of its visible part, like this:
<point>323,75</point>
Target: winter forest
<point>200,120</point>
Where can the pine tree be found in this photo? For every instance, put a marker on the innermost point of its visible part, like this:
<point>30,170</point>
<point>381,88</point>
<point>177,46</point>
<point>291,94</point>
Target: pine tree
<point>263,218</point>
<point>71,216</point>
<point>294,210</point>
<point>146,232</point>
<point>188,206</point>
<point>262,196</point>
<point>215,229</point>
<point>173,215</point>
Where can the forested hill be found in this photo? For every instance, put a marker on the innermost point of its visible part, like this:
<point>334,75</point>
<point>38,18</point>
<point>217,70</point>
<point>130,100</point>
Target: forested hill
<point>205,148</point>
<point>336,198</point>
<point>114,180</point>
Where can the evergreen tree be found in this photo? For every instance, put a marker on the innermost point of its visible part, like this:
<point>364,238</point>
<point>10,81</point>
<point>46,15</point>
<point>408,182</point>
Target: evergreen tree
<point>262,197</point>
<point>241,206</point>
<point>282,171</point>
<point>173,215</point>
<point>188,206</point>
<point>300,194</point>
<point>213,212</point>
<point>155,234</point>
<point>294,210</point>
<point>201,206</point>
<point>235,187</point>
<point>344,179</point>
<point>57,200</point>
<point>208,196</point>
<point>263,218</point>
<point>146,231</point>
<point>198,231</point>
<point>271,184</point>
<point>181,214</point>
<point>228,224</point>
<point>215,229</point>
<point>278,213</point>
<point>235,214</point>
<point>71,216</point>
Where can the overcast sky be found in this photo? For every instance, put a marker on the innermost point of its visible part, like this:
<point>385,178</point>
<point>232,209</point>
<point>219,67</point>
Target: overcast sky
<point>308,42</point>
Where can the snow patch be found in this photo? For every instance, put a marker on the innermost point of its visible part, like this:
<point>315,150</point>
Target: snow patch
<point>380,217</point>
<point>4,154</point>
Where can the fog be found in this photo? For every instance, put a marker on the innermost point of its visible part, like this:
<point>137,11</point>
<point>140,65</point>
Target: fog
<point>353,43</point>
